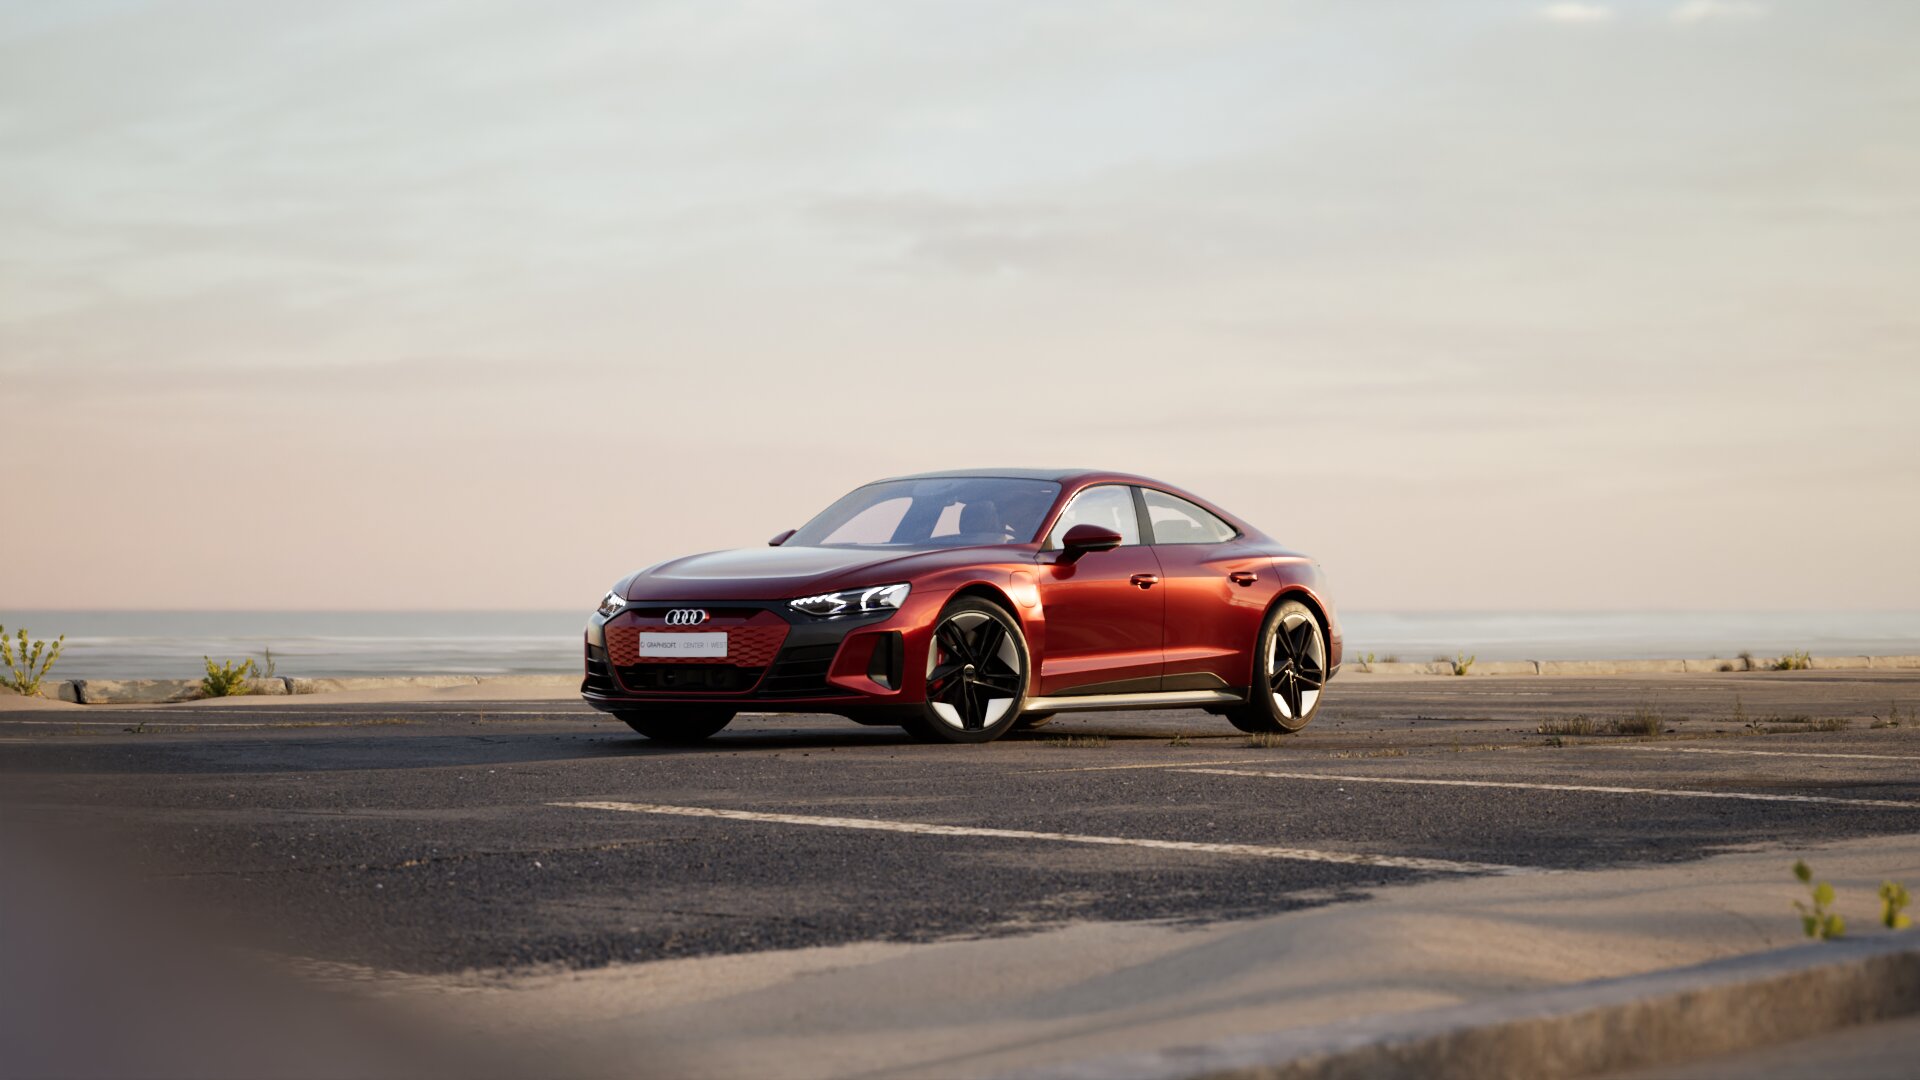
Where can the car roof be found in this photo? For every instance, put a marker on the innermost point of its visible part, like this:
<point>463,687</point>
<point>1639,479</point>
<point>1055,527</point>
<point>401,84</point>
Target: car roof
<point>1069,477</point>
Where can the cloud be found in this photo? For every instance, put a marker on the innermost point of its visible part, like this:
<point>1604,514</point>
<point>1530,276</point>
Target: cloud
<point>1694,11</point>
<point>1576,13</point>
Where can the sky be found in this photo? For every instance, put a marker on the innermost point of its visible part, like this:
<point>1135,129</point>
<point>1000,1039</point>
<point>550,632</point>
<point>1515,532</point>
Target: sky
<point>470,305</point>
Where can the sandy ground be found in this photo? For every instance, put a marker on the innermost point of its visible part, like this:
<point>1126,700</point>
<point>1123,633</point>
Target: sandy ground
<point>12,702</point>
<point>979,1007</point>
<point>524,688</point>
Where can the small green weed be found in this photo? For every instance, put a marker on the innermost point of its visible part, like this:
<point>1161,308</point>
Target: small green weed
<point>30,664</point>
<point>1817,918</point>
<point>266,664</point>
<point>1556,741</point>
<point>1462,663</point>
<point>1794,661</point>
<point>1569,725</point>
<point>1077,742</point>
<point>1179,739</point>
<point>226,679</point>
<point>1893,901</point>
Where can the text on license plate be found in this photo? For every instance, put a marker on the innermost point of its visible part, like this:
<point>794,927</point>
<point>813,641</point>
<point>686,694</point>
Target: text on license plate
<point>683,645</point>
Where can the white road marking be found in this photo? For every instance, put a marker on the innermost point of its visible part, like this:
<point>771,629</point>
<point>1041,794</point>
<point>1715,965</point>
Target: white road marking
<point>133,723</point>
<point>1604,790</point>
<point>1397,862</point>
<point>1765,753</point>
<point>130,721</point>
<point>1150,765</point>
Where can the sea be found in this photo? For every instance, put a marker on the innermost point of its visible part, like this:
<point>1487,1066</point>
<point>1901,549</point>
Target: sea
<point>172,644</point>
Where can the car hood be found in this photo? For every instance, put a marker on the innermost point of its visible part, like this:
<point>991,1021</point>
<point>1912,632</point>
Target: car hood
<point>779,573</point>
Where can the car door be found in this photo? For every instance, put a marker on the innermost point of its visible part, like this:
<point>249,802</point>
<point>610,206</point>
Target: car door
<point>1216,590</point>
<point>1103,610</point>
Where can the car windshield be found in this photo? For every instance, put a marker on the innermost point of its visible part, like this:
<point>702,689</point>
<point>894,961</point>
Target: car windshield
<point>954,511</point>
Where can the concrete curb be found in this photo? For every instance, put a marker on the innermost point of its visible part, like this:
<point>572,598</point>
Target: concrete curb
<point>1662,1018</point>
<point>154,691</point>
<point>380,682</point>
<point>169,691</point>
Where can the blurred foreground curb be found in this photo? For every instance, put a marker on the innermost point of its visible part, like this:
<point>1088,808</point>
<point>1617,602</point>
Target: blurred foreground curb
<point>1660,1018</point>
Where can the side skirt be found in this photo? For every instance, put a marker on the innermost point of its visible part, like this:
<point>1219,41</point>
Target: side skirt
<point>1155,700</point>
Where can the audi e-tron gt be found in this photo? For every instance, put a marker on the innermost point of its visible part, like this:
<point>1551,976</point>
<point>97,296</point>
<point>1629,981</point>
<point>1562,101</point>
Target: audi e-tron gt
<point>960,605</point>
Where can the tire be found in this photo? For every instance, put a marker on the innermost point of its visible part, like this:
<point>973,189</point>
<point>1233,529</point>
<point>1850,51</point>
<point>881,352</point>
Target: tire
<point>1289,672</point>
<point>977,668</point>
<point>677,727</point>
<point>1031,720</point>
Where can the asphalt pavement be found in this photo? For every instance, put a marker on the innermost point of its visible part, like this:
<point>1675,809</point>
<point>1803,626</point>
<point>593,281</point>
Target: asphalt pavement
<point>434,837</point>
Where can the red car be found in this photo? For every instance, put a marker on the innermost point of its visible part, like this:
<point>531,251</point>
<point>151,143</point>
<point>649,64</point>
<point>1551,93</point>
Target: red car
<point>960,605</point>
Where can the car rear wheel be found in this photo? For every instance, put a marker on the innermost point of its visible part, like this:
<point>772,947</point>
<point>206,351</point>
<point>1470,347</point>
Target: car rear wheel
<point>1289,672</point>
<point>680,727</point>
<point>976,675</point>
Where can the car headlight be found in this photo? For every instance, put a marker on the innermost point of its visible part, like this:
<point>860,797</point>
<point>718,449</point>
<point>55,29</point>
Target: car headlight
<point>610,605</point>
<point>852,601</point>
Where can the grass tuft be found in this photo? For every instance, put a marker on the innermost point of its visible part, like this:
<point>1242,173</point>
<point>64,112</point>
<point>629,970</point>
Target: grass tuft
<point>1568,725</point>
<point>34,659</point>
<point>226,679</point>
<point>1077,742</point>
<point>1643,720</point>
<point>1267,740</point>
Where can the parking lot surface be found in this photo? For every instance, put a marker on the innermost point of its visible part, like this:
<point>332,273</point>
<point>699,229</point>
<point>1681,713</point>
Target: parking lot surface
<point>437,837</point>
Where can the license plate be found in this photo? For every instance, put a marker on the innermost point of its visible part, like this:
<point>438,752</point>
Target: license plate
<point>683,645</point>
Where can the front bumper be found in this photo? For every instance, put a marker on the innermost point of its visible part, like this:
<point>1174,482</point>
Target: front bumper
<point>777,659</point>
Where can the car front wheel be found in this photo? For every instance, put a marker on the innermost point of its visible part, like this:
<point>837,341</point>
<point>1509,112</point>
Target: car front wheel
<point>976,675</point>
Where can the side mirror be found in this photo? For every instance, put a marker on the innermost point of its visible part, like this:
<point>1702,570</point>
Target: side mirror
<point>781,537</point>
<point>1084,538</point>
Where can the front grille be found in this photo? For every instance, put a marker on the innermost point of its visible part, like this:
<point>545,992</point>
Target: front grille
<point>699,678</point>
<point>753,640</point>
<point>800,671</point>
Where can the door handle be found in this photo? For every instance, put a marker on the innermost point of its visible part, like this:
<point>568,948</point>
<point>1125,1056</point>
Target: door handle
<point>1145,581</point>
<point>1243,577</point>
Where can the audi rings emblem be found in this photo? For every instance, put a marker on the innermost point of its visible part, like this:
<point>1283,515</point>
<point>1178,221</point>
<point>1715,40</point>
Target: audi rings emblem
<point>691,616</point>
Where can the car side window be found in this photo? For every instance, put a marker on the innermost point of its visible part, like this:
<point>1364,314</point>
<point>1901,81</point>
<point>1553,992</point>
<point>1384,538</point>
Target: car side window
<point>1177,521</point>
<point>1109,506</point>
